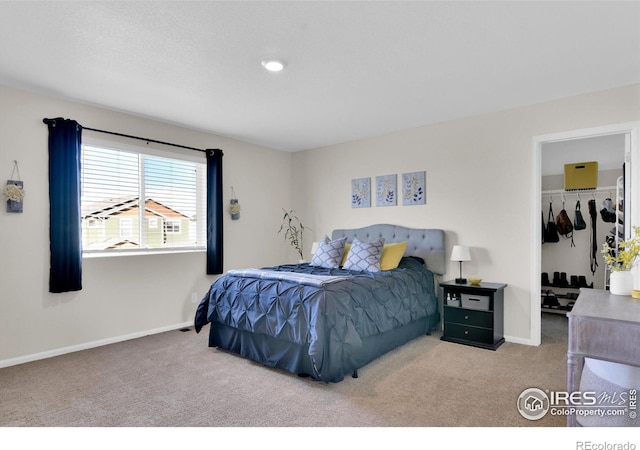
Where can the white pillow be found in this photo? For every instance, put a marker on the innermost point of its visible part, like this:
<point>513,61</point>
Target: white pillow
<point>364,255</point>
<point>329,253</point>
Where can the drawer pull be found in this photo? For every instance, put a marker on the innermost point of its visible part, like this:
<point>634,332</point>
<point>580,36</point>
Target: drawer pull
<point>466,317</point>
<point>466,332</point>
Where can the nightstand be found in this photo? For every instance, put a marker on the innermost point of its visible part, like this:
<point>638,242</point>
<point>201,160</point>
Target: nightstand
<point>474,314</point>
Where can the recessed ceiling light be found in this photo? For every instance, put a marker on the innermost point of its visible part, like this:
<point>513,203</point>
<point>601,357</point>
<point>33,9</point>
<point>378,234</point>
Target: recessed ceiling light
<point>273,65</point>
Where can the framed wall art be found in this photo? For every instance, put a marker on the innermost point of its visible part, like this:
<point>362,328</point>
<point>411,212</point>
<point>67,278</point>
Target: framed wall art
<point>414,188</point>
<point>361,193</point>
<point>387,190</point>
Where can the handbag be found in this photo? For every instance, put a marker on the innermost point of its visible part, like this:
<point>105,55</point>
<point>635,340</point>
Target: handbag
<point>578,220</point>
<point>551,231</point>
<point>564,225</point>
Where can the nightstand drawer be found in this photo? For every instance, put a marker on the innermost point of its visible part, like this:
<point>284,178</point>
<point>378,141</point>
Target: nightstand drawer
<point>459,331</point>
<point>468,317</point>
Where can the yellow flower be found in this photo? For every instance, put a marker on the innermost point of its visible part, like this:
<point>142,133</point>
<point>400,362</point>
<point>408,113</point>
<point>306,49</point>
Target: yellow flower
<point>628,253</point>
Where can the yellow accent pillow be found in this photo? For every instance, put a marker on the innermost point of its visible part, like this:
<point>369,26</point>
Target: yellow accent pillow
<point>347,247</point>
<point>391,255</point>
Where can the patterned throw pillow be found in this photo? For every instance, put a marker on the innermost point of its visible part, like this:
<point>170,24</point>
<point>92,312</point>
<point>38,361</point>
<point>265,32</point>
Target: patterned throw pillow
<point>365,255</point>
<point>329,253</point>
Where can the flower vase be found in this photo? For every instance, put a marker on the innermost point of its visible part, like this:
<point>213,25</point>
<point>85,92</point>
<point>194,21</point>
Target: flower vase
<point>621,282</point>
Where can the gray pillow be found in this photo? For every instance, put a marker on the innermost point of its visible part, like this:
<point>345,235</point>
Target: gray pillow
<point>364,255</point>
<point>329,253</point>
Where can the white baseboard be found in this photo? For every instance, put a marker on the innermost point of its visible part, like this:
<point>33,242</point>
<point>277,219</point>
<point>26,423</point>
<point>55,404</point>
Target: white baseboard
<point>518,340</point>
<point>88,345</point>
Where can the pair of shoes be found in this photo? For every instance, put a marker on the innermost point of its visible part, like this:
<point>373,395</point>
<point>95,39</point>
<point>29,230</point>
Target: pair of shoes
<point>578,281</point>
<point>582,281</point>
<point>574,280</point>
<point>560,279</point>
<point>550,300</point>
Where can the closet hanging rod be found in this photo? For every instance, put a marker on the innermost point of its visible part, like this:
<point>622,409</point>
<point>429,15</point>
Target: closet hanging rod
<point>579,191</point>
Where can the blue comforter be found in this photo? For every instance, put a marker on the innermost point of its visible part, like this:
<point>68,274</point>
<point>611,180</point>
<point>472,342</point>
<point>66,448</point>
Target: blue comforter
<point>330,319</point>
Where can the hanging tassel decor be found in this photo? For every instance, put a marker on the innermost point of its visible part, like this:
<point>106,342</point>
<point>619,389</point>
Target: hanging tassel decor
<point>234,206</point>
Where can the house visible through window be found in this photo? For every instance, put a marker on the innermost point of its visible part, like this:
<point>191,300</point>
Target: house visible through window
<point>140,199</point>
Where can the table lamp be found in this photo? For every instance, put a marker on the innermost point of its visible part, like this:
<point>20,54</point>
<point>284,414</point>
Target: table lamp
<point>460,253</point>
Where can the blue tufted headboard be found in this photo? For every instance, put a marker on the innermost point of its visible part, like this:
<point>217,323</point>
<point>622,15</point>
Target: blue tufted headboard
<point>427,244</point>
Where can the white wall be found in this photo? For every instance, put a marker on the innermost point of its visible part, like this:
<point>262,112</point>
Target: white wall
<point>121,296</point>
<point>479,185</point>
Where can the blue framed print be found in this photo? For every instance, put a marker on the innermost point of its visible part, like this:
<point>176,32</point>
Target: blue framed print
<point>414,188</point>
<point>387,190</point>
<point>361,193</point>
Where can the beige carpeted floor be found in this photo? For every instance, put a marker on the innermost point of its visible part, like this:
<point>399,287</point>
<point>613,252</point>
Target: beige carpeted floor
<point>174,380</point>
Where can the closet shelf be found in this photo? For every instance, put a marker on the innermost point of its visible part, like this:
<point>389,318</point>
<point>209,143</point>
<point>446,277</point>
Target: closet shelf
<point>609,189</point>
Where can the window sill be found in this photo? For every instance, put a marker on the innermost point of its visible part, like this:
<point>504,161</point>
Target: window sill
<point>110,254</point>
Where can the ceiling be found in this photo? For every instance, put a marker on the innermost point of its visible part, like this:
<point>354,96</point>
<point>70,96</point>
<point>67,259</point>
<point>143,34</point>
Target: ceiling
<point>354,69</point>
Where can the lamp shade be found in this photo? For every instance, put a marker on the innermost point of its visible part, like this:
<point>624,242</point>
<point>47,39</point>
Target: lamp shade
<point>460,253</point>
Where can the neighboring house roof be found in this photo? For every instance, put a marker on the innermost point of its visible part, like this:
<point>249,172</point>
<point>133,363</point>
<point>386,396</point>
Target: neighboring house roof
<point>129,206</point>
<point>110,244</point>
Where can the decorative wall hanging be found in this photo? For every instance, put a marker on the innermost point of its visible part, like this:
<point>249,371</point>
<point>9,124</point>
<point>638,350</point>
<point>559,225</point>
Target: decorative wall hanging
<point>414,188</point>
<point>234,206</point>
<point>386,190</point>
<point>361,193</point>
<point>14,191</point>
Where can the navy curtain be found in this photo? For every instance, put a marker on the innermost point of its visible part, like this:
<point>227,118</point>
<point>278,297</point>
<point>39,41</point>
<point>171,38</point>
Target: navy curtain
<point>65,142</point>
<point>214,212</point>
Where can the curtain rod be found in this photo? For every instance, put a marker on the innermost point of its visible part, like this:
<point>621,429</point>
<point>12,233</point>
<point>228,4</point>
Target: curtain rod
<point>53,121</point>
<point>143,139</point>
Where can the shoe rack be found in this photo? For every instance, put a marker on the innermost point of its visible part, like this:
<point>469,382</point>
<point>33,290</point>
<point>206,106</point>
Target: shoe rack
<point>558,295</point>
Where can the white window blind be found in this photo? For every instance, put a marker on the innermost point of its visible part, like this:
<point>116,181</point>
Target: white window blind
<point>136,201</point>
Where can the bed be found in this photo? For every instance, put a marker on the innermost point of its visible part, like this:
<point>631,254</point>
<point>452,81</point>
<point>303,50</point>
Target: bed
<point>328,322</point>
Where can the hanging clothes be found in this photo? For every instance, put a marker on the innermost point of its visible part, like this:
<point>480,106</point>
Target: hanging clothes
<point>593,213</point>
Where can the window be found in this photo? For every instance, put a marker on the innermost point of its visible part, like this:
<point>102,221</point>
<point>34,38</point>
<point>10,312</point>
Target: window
<point>172,227</point>
<point>146,200</point>
<point>126,227</point>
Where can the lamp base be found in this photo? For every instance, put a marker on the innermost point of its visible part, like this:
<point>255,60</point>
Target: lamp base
<point>461,281</point>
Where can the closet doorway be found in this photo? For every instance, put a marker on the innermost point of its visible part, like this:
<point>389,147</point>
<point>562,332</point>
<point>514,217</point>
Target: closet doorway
<point>614,148</point>
<point>574,262</point>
